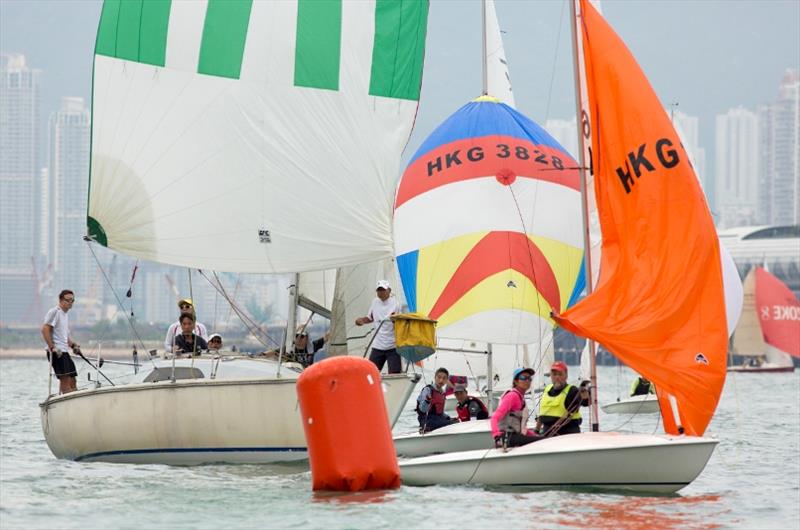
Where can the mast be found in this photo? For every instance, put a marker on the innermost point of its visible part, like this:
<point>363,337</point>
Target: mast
<point>291,321</point>
<point>485,58</point>
<point>584,154</point>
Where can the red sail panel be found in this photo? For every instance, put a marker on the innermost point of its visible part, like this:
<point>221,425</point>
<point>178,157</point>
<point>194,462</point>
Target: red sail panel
<point>659,304</point>
<point>778,312</point>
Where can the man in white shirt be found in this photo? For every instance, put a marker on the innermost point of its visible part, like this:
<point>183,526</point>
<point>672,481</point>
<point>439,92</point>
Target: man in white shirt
<point>55,331</point>
<point>384,347</point>
<point>187,308</point>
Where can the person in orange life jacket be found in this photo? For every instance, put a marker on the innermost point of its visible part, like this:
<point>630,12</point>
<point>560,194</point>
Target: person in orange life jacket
<point>560,404</point>
<point>510,420</point>
<point>469,407</point>
<point>430,403</point>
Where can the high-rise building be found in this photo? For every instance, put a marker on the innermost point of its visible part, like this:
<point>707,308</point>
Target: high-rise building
<point>69,170</point>
<point>19,172</point>
<point>736,175</point>
<point>688,128</point>
<point>779,127</point>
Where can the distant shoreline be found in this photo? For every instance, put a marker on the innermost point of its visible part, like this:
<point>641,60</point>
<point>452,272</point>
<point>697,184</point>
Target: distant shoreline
<point>38,353</point>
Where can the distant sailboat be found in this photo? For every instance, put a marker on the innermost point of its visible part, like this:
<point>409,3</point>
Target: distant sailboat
<point>768,333</point>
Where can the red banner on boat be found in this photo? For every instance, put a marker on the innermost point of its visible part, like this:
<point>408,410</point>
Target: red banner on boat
<point>778,312</point>
<point>659,304</point>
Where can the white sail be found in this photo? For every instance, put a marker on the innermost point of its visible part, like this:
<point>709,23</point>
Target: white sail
<point>498,81</point>
<point>252,137</point>
<point>748,340</point>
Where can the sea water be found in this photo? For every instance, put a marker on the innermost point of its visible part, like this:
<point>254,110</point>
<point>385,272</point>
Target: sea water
<point>751,481</point>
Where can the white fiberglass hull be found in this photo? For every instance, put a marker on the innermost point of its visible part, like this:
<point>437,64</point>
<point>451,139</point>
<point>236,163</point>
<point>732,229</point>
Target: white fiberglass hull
<point>615,461</point>
<point>234,420</point>
<point>645,404</point>
<point>465,436</point>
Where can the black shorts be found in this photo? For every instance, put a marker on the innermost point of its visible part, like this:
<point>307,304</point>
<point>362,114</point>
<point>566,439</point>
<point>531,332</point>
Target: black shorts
<point>63,366</point>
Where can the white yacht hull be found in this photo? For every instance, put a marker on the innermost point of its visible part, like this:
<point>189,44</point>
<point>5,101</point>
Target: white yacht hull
<point>615,461</point>
<point>191,421</point>
<point>645,404</point>
<point>465,436</point>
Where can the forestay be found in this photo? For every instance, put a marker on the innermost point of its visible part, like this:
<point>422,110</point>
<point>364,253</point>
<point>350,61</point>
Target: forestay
<point>487,226</point>
<point>252,136</point>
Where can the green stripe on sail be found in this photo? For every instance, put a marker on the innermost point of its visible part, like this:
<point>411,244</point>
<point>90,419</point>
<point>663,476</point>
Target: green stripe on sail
<point>106,43</point>
<point>318,45</point>
<point>398,51</point>
<point>135,30</point>
<point>224,35</point>
<point>96,231</point>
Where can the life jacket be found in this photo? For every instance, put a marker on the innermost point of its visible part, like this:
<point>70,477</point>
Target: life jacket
<point>640,388</point>
<point>554,407</point>
<point>305,357</point>
<point>437,402</point>
<point>462,409</point>
<point>516,420</point>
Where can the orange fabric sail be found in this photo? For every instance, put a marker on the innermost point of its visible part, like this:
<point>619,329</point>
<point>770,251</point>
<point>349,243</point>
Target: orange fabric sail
<point>659,304</point>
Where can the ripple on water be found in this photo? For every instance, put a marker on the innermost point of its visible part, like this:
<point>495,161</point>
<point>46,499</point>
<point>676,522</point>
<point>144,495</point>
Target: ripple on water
<point>751,480</point>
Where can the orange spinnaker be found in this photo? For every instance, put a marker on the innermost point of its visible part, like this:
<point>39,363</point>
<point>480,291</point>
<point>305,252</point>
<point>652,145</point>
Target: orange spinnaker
<point>659,303</point>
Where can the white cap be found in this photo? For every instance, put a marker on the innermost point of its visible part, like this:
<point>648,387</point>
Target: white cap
<point>214,336</point>
<point>383,284</point>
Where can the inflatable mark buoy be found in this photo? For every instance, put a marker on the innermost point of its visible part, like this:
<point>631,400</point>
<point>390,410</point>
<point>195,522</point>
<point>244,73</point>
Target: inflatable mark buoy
<point>349,438</point>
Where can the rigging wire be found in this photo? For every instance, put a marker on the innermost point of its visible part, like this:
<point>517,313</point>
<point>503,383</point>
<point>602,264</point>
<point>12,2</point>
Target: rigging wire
<point>555,57</point>
<point>116,296</point>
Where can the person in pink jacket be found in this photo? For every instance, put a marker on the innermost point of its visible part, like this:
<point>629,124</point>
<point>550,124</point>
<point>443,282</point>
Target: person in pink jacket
<point>510,420</point>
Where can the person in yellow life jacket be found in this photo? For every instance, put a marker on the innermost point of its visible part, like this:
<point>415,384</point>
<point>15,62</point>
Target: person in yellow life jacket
<point>430,403</point>
<point>641,387</point>
<point>559,410</point>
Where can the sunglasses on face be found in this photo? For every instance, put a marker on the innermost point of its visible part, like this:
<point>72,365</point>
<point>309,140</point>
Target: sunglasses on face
<point>185,306</point>
<point>215,340</point>
<point>69,300</point>
<point>523,378</point>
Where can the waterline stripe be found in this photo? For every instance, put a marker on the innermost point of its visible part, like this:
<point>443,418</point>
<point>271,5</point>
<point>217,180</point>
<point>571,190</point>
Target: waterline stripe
<point>195,450</point>
<point>399,48</point>
<point>318,44</point>
<point>224,35</point>
<point>134,30</point>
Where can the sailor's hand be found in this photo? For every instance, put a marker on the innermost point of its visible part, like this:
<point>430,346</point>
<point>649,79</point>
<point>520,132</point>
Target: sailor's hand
<point>360,321</point>
<point>498,441</point>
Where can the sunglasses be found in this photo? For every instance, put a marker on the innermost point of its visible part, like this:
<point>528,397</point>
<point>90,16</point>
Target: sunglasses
<point>185,306</point>
<point>69,300</point>
<point>523,377</point>
<point>215,340</point>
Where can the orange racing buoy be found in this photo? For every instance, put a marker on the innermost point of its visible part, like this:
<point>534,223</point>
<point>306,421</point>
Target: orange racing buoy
<point>347,428</point>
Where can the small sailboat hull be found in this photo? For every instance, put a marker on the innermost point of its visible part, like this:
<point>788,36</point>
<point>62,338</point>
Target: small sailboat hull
<point>466,436</point>
<point>645,404</point>
<point>234,420</point>
<point>450,402</point>
<point>613,461</point>
<point>763,369</point>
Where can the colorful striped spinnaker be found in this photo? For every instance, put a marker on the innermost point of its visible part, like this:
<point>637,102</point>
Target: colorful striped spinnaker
<point>488,227</point>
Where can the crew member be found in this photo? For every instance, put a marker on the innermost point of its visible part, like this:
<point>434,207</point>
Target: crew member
<point>559,410</point>
<point>469,407</point>
<point>55,332</point>
<point>510,421</point>
<point>384,347</point>
<point>187,308</point>
<point>641,387</point>
<point>430,404</point>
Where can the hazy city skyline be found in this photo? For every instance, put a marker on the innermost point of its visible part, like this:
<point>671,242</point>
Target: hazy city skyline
<point>724,81</point>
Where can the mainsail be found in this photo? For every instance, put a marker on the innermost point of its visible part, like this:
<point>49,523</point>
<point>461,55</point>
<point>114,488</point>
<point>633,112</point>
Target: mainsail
<point>252,136</point>
<point>487,226</point>
<point>659,303</point>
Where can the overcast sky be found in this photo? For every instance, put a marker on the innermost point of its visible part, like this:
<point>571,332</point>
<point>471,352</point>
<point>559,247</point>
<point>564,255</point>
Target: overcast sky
<point>708,55</point>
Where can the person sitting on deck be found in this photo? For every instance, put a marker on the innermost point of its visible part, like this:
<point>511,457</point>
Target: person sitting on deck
<point>469,407</point>
<point>187,341</point>
<point>642,386</point>
<point>302,351</point>
<point>215,342</point>
<point>187,308</point>
<point>430,403</point>
<point>510,421</point>
<point>559,410</point>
